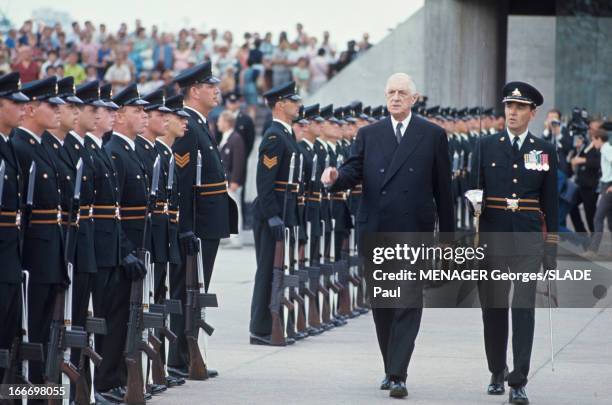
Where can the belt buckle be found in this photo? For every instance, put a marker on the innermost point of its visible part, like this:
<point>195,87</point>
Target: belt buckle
<point>59,215</point>
<point>91,210</point>
<point>178,213</point>
<point>512,204</point>
<point>18,218</point>
<point>165,208</point>
<point>117,213</point>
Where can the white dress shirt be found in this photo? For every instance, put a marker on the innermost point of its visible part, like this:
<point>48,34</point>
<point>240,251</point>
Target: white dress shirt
<point>405,124</point>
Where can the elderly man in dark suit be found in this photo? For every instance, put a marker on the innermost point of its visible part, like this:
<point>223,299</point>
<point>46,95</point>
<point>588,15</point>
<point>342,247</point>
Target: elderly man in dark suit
<point>233,155</point>
<point>402,162</point>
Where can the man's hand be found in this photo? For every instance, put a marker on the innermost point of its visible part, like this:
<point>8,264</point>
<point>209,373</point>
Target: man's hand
<point>189,243</point>
<point>329,176</point>
<point>234,187</point>
<point>133,267</point>
<point>277,226</point>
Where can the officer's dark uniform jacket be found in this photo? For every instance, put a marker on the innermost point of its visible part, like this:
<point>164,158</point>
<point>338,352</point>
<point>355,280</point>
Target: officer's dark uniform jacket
<point>10,215</point>
<point>85,254</point>
<point>165,153</point>
<point>216,212</point>
<point>106,213</point>
<point>338,199</point>
<point>504,179</point>
<point>65,178</point>
<point>320,148</point>
<point>312,190</point>
<point>133,193</point>
<point>275,150</point>
<point>44,232</point>
<point>354,198</point>
<point>159,218</point>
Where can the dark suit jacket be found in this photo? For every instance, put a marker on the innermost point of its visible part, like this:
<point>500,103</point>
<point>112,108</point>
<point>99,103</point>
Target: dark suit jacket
<point>588,174</point>
<point>216,213</point>
<point>233,155</point>
<point>404,186</point>
<point>246,128</point>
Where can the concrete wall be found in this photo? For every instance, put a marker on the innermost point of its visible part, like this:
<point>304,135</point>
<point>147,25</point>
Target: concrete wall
<point>531,58</point>
<point>462,52</point>
<point>364,79</point>
<point>584,63</point>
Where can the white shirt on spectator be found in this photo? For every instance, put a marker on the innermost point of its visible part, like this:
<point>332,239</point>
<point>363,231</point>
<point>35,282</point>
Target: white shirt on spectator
<point>606,163</point>
<point>117,73</point>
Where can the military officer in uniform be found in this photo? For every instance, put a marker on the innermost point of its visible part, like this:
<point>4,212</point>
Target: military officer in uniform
<point>313,190</point>
<point>147,152</point>
<point>215,215</point>
<point>133,194</point>
<point>275,151</point>
<point>177,125</point>
<point>107,236</point>
<point>11,113</point>
<point>519,183</point>
<point>42,230</point>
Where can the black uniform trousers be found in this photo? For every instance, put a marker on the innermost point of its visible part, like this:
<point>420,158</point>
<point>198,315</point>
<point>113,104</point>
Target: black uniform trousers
<point>261,319</point>
<point>111,298</point>
<point>178,354</point>
<point>41,301</point>
<point>396,330</point>
<point>494,298</point>
<point>10,314</point>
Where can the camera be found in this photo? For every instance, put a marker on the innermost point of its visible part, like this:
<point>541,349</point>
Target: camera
<point>579,124</point>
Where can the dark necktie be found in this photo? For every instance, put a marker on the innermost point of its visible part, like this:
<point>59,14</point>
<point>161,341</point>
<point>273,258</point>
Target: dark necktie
<point>515,145</point>
<point>398,132</point>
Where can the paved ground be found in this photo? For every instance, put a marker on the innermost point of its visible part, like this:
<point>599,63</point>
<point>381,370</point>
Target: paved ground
<point>343,365</point>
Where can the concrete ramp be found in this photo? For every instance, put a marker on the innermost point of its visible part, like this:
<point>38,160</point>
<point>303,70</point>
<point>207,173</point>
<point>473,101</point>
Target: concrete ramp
<point>400,51</point>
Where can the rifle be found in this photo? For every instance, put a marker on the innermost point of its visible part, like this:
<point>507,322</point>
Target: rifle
<point>93,326</point>
<point>329,267</point>
<point>355,277</point>
<point>311,273</point>
<point>297,296</point>
<point>280,280</point>
<point>197,299</point>
<point>21,350</point>
<point>164,304</point>
<point>63,335</point>
<point>140,318</point>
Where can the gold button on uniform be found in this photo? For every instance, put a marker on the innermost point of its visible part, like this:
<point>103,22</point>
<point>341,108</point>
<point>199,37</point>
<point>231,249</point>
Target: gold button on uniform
<point>493,164</point>
<point>45,175</point>
<point>514,195</point>
<point>515,165</point>
<point>514,180</point>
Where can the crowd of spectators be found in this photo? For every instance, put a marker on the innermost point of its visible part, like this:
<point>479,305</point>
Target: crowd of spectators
<point>249,65</point>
